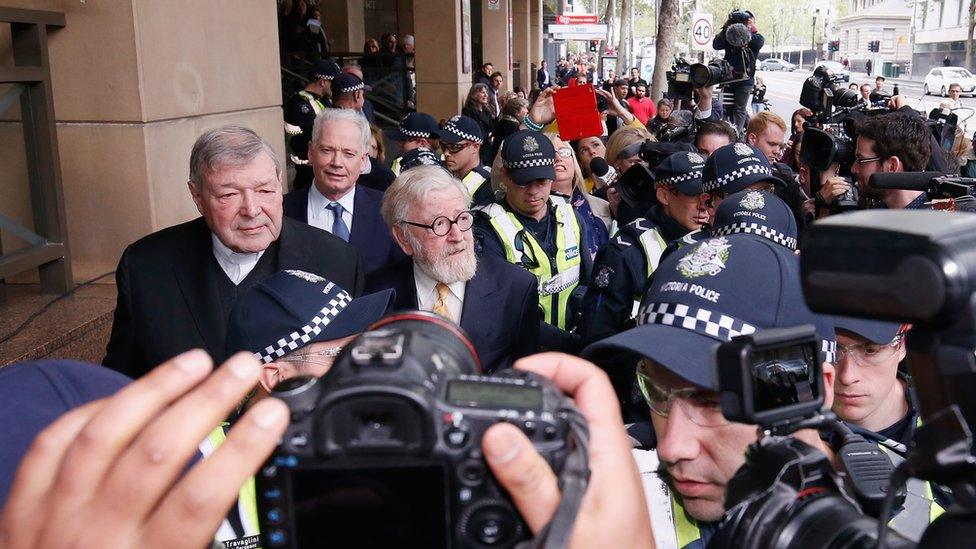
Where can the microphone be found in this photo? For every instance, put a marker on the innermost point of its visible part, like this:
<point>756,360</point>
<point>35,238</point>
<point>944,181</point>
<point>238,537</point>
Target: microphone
<point>906,181</point>
<point>738,35</point>
<point>603,173</point>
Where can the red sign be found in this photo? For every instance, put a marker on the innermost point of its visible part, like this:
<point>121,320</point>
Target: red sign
<point>577,19</point>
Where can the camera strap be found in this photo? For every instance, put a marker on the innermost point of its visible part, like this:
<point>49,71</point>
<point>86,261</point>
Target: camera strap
<point>572,483</point>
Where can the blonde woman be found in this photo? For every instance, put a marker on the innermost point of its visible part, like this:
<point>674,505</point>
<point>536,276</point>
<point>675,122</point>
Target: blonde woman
<point>594,211</point>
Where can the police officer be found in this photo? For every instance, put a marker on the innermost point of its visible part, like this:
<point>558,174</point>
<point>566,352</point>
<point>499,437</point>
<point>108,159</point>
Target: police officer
<point>699,297</point>
<point>417,130</point>
<point>295,323</point>
<point>463,139</point>
<point>300,111</point>
<point>877,401</point>
<point>623,264</point>
<point>540,232</point>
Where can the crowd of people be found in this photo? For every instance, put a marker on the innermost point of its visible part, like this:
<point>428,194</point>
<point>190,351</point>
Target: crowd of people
<point>494,221</point>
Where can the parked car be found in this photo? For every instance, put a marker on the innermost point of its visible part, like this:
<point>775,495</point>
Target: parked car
<point>938,80</point>
<point>773,64</point>
<point>838,70</point>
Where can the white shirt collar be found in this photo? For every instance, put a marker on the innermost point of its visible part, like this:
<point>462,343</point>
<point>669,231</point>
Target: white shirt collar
<point>318,201</point>
<point>427,293</point>
<point>236,265</point>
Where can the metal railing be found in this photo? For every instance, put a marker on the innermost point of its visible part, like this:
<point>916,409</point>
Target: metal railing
<point>30,77</point>
<point>389,75</point>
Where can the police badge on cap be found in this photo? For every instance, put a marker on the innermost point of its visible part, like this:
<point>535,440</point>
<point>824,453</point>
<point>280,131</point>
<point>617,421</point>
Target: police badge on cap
<point>528,156</point>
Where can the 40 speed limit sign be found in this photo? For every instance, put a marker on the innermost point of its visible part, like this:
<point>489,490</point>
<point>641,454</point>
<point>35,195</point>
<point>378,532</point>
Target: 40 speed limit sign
<point>701,31</point>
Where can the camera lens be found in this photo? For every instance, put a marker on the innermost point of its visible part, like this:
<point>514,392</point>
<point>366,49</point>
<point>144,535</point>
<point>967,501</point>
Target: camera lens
<point>703,75</point>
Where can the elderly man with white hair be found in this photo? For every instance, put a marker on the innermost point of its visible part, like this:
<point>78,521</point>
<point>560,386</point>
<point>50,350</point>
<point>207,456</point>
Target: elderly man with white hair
<point>495,302</point>
<point>334,202</point>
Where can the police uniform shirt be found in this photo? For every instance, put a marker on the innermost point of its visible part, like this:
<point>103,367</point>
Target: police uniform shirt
<point>488,242</point>
<point>620,273</point>
<point>427,294</point>
<point>322,217</point>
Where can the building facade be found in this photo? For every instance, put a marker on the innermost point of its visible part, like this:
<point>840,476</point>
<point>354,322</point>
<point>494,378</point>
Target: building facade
<point>885,21</point>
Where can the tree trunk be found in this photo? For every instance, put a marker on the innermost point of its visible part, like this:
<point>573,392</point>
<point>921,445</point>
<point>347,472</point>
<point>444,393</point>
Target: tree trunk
<point>623,40</point>
<point>969,36</point>
<point>609,18</point>
<point>667,34</point>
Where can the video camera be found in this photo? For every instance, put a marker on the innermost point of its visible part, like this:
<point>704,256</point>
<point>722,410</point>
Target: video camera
<point>788,492</point>
<point>385,449</point>
<point>636,185</point>
<point>904,266</point>
<point>680,87</point>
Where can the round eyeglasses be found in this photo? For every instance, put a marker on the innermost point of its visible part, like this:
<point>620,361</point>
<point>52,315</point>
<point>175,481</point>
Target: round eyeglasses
<point>442,224</point>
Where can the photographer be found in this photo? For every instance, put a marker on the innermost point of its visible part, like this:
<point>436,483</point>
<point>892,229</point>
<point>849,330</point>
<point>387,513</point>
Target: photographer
<point>700,297</point>
<point>74,486</point>
<point>741,41</point>
<point>893,142</point>
<point>623,264</point>
<point>878,401</point>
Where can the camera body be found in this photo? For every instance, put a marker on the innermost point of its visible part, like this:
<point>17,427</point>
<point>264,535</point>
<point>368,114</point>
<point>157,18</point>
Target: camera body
<point>739,16</point>
<point>385,450</point>
<point>680,87</point>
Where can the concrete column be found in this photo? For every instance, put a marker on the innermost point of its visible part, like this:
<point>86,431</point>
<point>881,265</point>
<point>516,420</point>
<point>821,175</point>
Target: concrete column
<point>345,24</point>
<point>536,30</point>
<point>495,38</point>
<point>135,83</point>
<point>441,83</point>
<point>521,30</point>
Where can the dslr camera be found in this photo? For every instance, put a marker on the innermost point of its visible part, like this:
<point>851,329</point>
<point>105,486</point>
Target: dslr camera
<point>385,449</point>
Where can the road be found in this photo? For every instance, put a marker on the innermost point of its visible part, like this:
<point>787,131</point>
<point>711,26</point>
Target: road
<point>783,91</point>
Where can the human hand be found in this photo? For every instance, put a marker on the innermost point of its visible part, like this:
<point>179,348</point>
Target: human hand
<point>111,473</point>
<point>704,98</point>
<point>615,106</point>
<point>897,101</point>
<point>613,512</point>
<point>543,111</point>
<point>833,187</point>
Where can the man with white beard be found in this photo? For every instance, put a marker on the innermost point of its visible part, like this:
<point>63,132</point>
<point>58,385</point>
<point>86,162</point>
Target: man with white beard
<point>495,302</point>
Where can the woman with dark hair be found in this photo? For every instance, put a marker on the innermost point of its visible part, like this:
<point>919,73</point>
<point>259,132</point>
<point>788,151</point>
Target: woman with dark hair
<point>476,107</point>
<point>799,118</point>
<point>513,111</point>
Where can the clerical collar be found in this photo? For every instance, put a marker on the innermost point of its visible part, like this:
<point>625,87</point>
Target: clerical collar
<point>236,265</point>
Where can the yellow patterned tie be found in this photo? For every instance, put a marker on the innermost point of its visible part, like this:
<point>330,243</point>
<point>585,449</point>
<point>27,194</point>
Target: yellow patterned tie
<point>440,306</point>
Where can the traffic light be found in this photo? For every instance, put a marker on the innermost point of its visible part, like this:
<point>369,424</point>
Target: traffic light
<point>874,45</point>
<point>594,44</point>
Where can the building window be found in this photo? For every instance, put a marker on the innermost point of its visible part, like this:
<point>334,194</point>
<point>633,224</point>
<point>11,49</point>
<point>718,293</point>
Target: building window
<point>888,39</point>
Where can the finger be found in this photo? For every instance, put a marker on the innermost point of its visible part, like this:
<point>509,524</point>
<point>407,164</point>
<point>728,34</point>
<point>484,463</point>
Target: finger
<point>194,508</point>
<point>523,473</point>
<point>95,450</point>
<point>148,468</point>
<point>23,516</point>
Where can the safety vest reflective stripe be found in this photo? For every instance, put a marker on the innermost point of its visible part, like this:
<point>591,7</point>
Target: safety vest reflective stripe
<point>653,244</point>
<point>673,528</point>
<point>473,182</point>
<point>395,166</point>
<point>247,502</point>
<point>317,106</point>
<point>920,507</point>
<point>555,284</point>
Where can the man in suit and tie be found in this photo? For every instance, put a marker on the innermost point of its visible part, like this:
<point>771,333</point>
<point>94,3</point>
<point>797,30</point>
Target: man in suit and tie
<point>334,202</point>
<point>176,287</point>
<point>496,303</point>
<point>542,76</point>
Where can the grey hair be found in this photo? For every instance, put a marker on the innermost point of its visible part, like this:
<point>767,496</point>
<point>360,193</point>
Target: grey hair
<point>412,186</point>
<point>334,116</point>
<point>227,146</point>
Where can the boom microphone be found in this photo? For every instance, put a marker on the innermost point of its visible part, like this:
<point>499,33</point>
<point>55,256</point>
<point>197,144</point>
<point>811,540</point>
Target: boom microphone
<point>738,35</point>
<point>602,172</point>
<point>906,181</point>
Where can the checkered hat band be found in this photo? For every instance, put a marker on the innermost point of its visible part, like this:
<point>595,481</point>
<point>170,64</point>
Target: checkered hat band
<point>829,349</point>
<point>353,88</point>
<point>712,184</point>
<point>759,230</point>
<point>303,335</point>
<point>461,133</point>
<point>700,321</point>
<point>675,179</point>
<point>328,77</point>
<point>531,163</point>
<point>412,133</point>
